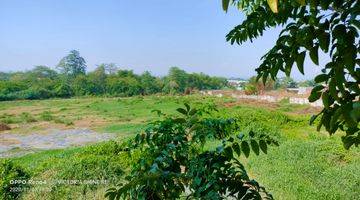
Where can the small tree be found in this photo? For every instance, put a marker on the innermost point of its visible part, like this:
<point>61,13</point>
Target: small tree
<point>174,164</point>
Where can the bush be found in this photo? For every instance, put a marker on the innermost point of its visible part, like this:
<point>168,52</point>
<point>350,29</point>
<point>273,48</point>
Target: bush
<point>173,161</point>
<point>8,173</point>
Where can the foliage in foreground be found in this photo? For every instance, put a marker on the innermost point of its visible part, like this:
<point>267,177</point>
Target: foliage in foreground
<point>173,163</point>
<point>8,174</point>
<point>309,26</point>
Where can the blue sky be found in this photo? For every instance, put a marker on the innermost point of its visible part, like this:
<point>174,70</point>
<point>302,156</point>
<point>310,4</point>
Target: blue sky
<point>140,35</point>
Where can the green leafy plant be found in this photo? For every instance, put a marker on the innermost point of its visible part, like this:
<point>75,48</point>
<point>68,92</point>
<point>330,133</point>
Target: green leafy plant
<point>311,26</point>
<point>173,164</point>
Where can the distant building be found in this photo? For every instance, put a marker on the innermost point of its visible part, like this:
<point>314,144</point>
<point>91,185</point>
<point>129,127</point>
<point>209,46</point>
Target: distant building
<point>300,90</point>
<point>238,84</point>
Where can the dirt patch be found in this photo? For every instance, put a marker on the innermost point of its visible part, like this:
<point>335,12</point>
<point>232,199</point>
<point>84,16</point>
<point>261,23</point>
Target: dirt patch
<point>19,144</point>
<point>307,110</point>
<point>253,103</point>
<point>23,109</point>
<point>90,122</point>
<point>302,110</point>
<point>4,127</point>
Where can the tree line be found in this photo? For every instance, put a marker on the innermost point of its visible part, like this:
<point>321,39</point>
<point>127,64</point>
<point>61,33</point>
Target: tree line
<point>70,79</point>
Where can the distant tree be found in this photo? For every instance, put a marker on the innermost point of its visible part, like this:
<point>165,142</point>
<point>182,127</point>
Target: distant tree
<point>43,82</point>
<point>97,78</point>
<point>5,76</point>
<point>110,68</point>
<point>307,83</point>
<point>81,85</point>
<point>63,90</point>
<point>177,77</point>
<point>43,72</point>
<point>258,87</point>
<point>126,73</point>
<point>73,64</point>
<point>285,82</point>
<point>149,83</point>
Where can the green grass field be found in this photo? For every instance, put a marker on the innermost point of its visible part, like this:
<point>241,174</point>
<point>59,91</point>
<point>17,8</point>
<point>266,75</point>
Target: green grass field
<point>306,165</point>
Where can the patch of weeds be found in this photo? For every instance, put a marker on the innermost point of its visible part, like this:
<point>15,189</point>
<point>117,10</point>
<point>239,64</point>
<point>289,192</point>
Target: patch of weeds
<point>27,117</point>
<point>284,101</point>
<point>67,122</point>
<point>46,116</point>
<point>125,119</point>
<point>63,109</point>
<point>8,119</point>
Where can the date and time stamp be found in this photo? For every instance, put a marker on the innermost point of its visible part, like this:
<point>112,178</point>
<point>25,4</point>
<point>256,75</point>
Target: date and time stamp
<point>18,186</point>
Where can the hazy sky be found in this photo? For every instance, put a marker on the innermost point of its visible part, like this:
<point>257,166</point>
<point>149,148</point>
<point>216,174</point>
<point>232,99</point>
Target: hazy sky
<point>140,35</point>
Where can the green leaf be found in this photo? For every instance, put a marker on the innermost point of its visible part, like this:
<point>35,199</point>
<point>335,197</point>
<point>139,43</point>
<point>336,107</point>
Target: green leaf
<point>334,119</point>
<point>179,120</point>
<point>245,148</point>
<point>193,112</point>
<point>236,148</point>
<point>314,54</point>
<point>355,112</point>
<point>324,41</point>
<point>254,146</point>
<point>350,122</point>
<point>315,93</point>
<point>332,88</point>
<point>356,23</point>
<point>300,61</point>
<point>314,96</point>
<point>313,3</point>
<point>225,5</point>
<point>263,146</point>
<point>182,111</point>
<point>348,141</point>
<point>228,152</point>
<point>187,107</point>
<point>321,78</point>
<point>326,99</point>
<point>313,118</point>
<point>317,88</point>
<point>325,4</point>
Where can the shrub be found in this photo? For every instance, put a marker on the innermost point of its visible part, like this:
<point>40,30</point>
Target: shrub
<point>173,161</point>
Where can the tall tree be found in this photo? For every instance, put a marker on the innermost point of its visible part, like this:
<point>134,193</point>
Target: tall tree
<point>41,71</point>
<point>177,77</point>
<point>72,64</point>
<point>310,26</point>
<point>149,83</point>
<point>110,68</point>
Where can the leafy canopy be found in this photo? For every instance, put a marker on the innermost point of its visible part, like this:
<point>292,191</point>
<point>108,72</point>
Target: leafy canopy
<point>72,64</point>
<point>310,26</point>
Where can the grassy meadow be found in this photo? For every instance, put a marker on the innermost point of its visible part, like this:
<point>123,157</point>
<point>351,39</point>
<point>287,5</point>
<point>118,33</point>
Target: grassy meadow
<point>307,164</point>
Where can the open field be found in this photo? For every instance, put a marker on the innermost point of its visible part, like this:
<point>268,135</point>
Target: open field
<point>306,165</point>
